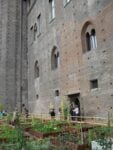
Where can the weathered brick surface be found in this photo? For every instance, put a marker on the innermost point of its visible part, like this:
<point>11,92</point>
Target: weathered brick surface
<point>17,83</point>
<point>76,68</point>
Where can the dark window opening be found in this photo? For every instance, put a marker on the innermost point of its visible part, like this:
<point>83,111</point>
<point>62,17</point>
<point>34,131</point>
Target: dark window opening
<point>57,93</point>
<point>36,69</point>
<point>88,42</point>
<point>31,34</point>
<point>94,84</point>
<point>37,96</point>
<point>39,24</point>
<point>35,31</point>
<point>54,59</point>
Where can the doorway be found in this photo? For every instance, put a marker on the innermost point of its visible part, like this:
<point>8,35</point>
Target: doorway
<point>75,100</point>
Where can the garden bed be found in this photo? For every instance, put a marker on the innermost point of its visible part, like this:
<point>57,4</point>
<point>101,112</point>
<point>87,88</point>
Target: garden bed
<point>74,146</point>
<point>71,141</point>
<point>69,145</point>
<point>41,134</point>
<point>54,128</point>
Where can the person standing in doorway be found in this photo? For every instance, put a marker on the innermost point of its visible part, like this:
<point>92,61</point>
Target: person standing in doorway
<point>76,112</point>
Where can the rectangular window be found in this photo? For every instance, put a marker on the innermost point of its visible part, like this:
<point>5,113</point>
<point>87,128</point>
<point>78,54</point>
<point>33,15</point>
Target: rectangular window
<point>39,24</point>
<point>56,98</point>
<point>52,9</point>
<point>66,2</point>
<point>94,84</point>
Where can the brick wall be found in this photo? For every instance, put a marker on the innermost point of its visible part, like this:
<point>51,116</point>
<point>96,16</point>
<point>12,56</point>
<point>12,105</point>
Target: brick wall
<point>76,68</point>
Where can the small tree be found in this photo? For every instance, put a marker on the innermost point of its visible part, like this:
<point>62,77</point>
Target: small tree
<point>65,108</point>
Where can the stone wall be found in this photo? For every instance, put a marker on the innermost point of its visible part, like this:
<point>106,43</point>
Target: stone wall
<point>3,31</point>
<point>12,53</point>
<point>76,67</point>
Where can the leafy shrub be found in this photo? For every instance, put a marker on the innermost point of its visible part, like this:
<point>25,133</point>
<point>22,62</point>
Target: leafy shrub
<point>46,127</point>
<point>69,137</point>
<point>9,117</point>
<point>8,133</point>
<point>102,135</point>
<point>43,144</point>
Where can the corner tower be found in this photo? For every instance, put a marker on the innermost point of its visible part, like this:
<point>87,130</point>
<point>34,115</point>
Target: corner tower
<point>12,59</point>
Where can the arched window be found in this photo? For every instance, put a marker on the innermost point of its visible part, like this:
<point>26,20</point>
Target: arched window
<point>54,58</point>
<point>88,36</point>
<point>36,70</point>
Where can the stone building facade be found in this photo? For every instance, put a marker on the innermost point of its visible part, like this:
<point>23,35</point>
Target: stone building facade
<point>70,55</point>
<point>13,55</point>
<point>55,51</point>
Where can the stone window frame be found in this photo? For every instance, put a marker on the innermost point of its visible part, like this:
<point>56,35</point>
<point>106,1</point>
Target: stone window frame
<point>55,58</point>
<point>88,37</point>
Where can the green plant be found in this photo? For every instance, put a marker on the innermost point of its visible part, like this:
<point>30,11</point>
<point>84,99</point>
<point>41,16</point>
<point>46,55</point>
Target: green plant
<point>77,126</point>
<point>102,135</point>
<point>35,122</point>
<point>14,136</point>
<point>43,144</point>
<point>69,137</point>
<point>10,146</point>
<point>65,108</point>
<point>8,133</point>
<point>50,126</point>
<point>21,139</point>
<point>9,117</point>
